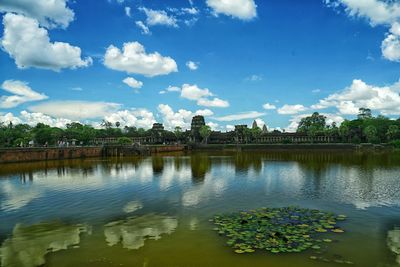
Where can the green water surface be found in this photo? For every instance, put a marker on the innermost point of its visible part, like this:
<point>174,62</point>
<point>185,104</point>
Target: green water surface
<point>155,211</point>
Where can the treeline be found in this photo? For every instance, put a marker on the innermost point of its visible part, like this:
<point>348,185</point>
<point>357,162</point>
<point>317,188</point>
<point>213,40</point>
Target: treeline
<point>364,129</point>
<point>45,135</point>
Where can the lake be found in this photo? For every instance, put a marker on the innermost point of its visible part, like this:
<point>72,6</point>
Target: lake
<point>155,211</point>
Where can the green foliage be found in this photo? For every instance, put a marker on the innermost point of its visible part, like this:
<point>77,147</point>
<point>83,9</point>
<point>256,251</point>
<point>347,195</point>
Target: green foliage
<point>396,143</point>
<point>371,134</point>
<point>313,124</point>
<point>205,132</point>
<point>277,230</point>
<point>124,141</point>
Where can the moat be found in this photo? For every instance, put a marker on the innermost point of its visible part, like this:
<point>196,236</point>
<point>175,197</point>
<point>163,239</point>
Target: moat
<point>155,210</point>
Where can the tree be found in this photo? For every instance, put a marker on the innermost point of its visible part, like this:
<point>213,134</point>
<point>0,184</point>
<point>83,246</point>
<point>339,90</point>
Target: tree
<point>256,132</point>
<point>364,113</point>
<point>393,132</point>
<point>106,124</point>
<point>344,131</point>
<point>312,124</point>
<point>124,141</point>
<point>205,132</point>
<point>371,134</point>
<point>178,132</point>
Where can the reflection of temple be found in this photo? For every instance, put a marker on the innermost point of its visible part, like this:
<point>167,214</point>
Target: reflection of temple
<point>132,232</point>
<point>158,164</point>
<point>29,245</point>
<point>200,165</point>
<point>393,242</point>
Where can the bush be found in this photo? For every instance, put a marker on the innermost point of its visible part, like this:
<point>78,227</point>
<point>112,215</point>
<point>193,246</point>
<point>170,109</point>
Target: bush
<point>396,143</point>
<point>124,141</point>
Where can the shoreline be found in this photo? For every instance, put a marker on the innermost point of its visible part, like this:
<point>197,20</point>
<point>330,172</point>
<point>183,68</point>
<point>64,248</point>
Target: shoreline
<point>35,154</point>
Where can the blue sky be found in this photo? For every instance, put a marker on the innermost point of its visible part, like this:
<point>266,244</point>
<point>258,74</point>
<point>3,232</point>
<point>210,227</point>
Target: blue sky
<point>232,61</point>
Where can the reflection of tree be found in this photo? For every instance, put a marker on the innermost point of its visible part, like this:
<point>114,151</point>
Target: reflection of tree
<point>29,244</point>
<point>133,231</point>
<point>393,242</point>
<point>244,160</point>
<point>200,165</point>
<point>158,164</point>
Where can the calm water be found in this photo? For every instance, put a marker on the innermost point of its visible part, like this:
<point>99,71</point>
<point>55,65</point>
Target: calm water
<point>154,211</point>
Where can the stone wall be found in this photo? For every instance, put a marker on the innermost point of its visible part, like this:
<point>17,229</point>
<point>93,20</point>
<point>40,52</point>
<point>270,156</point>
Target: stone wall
<point>39,154</point>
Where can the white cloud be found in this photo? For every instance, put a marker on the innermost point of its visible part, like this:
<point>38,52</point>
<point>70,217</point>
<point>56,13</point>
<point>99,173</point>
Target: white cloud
<point>158,17</point>
<point>139,118</point>
<point>213,125</point>
<point>134,59</point>
<point>181,118</point>
<point>34,118</point>
<point>132,82</point>
<point>128,11</point>
<point>191,10</point>
<point>391,44</point>
<point>375,11</point>
<point>170,89</point>
<point>9,117</point>
<point>193,92</point>
<point>143,27</point>
<point>76,110</point>
<point>260,122</point>
<point>291,109</point>
<point>192,65</point>
<point>240,116</point>
<point>385,100</point>
<point>269,106</point>
<point>215,102</point>
<point>242,9</point>
<point>22,93</point>
<point>204,112</point>
<point>50,14</point>
<point>30,46</point>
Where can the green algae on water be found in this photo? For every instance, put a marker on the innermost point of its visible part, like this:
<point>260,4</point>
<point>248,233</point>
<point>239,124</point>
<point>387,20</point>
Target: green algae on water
<point>277,230</point>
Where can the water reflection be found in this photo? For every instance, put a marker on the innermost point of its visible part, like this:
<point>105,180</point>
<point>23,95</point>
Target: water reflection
<point>132,232</point>
<point>28,245</point>
<point>361,179</point>
<point>393,242</point>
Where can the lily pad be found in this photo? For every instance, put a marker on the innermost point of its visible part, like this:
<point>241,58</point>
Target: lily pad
<point>277,230</point>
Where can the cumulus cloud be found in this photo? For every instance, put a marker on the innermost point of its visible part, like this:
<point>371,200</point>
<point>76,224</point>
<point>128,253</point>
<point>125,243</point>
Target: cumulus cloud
<point>132,82</point>
<point>134,59</point>
<point>170,89</point>
<point>193,92</point>
<point>240,116</point>
<point>269,106</point>
<point>385,100</point>
<point>158,17</point>
<point>34,118</point>
<point>242,9</point>
<point>291,109</point>
<point>50,14</point>
<point>192,65</point>
<point>391,44</point>
<point>377,12</point>
<point>181,118</point>
<point>76,110</point>
<point>29,45</point>
<point>139,118</point>
<point>21,93</point>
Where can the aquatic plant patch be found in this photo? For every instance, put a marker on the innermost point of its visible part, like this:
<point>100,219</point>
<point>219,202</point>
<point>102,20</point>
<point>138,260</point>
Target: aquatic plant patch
<point>277,230</point>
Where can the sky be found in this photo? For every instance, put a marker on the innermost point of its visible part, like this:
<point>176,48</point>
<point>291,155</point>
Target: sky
<point>139,62</point>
